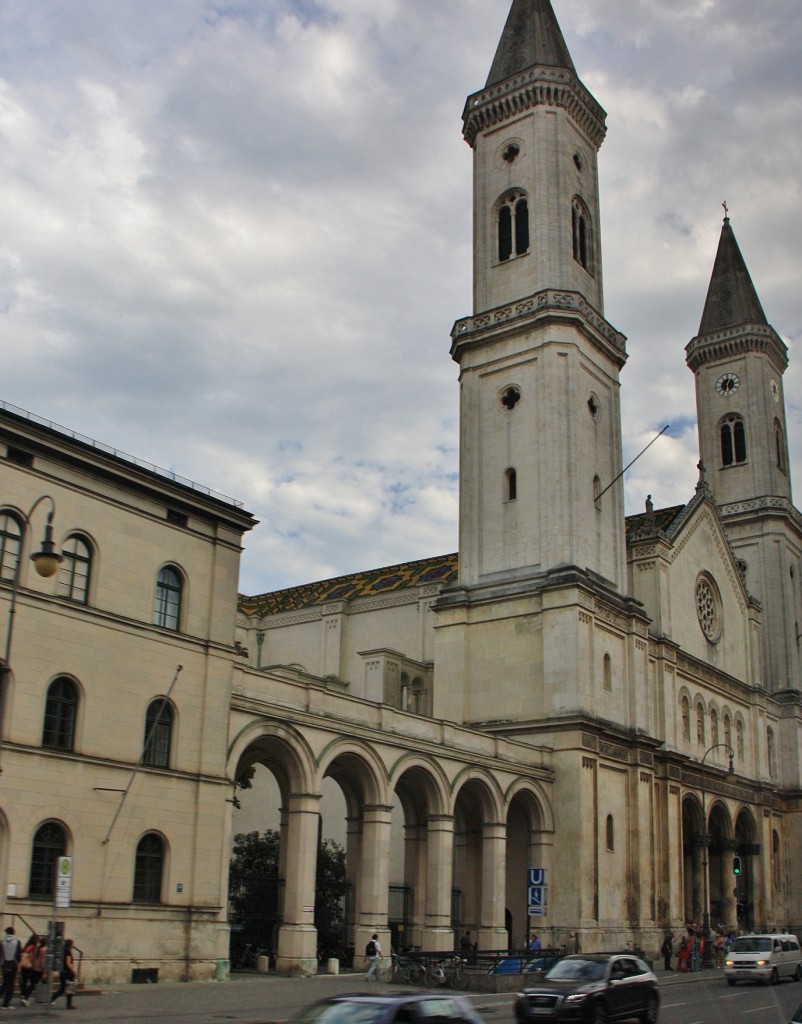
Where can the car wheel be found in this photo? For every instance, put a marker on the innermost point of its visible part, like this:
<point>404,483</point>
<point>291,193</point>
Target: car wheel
<point>598,1015</point>
<point>650,1014</point>
<point>775,978</point>
<point>798,973</point>
<point>731,982</point>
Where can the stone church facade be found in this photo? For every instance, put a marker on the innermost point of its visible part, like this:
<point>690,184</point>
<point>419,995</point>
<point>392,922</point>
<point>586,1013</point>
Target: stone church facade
<point>567,693</point>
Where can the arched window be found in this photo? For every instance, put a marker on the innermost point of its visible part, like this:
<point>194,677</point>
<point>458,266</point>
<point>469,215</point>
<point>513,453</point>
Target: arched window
<point>713,726</point>
<point>581,232</point>
<point>608,673</point>
<point>610,832</point>
<point>733,441</point>
<point>779,446</point>
<point>158,734</point>
<point>10,541</point>
<point>775,859</point>
<point>61,709</point>
<point>739,740</point>
<point>167,612</point>
<point>597,492</point>
<point>686,719</point>
<point>728,730</point>
<point>49,843</point>
<point>510,485</point>
<point>73,576</point>
<point>148,869</point>
<point>513,226</point>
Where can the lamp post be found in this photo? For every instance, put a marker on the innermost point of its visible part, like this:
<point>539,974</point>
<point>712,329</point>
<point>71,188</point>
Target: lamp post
<point>47,562</point>
<point>707,959</point>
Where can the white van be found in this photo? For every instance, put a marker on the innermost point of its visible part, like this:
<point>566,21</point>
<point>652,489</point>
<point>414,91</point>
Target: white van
<point>764,958</point>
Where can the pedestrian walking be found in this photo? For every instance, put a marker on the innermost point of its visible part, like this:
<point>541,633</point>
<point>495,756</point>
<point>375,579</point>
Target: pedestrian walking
<point>12,950</point>
<point>373,952</point>
<point>667,949</point>
<point>66,976</point>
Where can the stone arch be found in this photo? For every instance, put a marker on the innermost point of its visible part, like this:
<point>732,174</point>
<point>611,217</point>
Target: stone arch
<point>529,844</point>
<point>748,849</point>
<point>720,853</point>
<point>422,838</point>
<point>281,748</point>
<point>693,829</point>
<point>480,832</point>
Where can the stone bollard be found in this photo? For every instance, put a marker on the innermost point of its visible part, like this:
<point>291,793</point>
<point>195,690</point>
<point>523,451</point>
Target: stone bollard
<point>333,966</point>
<point>262,964</point>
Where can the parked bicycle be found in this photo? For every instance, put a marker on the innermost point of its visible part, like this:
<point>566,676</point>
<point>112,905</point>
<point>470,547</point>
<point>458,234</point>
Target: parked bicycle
<point>249,958</point>
<point>399,968</point>
<point>447,971</point>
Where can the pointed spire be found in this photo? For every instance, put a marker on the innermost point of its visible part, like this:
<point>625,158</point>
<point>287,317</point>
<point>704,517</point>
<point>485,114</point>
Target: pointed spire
<point>531,38</point>
<point>731,297</point>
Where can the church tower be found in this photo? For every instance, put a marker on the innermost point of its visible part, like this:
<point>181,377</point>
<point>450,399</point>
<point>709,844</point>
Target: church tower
<point>541,496</point>
<point>539,364</point>
<point>738,361</point>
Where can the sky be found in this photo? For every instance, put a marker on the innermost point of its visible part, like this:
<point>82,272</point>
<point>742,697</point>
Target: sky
<point>236,235</point>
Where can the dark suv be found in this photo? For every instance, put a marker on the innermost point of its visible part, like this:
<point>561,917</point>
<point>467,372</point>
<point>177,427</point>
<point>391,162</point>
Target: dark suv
<point>594,988</point>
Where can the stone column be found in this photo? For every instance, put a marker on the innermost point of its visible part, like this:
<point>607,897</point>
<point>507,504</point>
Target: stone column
<point>374,872</point>
<point>297,937</point>
<point>438,932</point>
<point>416,849</point>
<point>492,933</point>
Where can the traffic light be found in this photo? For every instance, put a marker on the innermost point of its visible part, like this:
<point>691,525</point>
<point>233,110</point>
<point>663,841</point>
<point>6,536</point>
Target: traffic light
<point>736,865</point>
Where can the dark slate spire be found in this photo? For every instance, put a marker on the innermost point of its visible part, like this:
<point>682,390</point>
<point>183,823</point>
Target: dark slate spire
<point>731,297</point>
<point>531,37</point>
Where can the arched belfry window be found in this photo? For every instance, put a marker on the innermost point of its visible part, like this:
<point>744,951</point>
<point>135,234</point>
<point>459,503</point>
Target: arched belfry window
<point>733,441</point>
<point>582,234</point>
<point>513,226</point>
<point>779,446</point>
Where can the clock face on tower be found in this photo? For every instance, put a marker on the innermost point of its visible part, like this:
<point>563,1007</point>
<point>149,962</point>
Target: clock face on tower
<point>728,384</point>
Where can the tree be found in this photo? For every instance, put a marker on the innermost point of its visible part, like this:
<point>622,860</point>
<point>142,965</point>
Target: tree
<point>254,889</point>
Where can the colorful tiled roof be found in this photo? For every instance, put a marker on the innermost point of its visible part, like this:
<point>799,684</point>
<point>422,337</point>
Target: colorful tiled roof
<point>359,584</point>
<point>441,570</point>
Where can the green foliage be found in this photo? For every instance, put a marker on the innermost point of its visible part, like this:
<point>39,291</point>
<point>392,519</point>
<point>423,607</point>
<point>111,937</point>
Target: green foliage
<point>254,886</point>
<point>245,778</point>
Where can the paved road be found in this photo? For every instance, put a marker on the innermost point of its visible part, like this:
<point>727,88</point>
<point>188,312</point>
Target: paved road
<point>253,999</point>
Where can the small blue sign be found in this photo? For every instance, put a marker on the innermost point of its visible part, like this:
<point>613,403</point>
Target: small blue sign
<point>537,896</point>
<point>537,876</point>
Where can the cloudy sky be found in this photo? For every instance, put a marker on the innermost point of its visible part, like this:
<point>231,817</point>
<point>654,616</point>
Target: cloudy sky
<point>235,236</point>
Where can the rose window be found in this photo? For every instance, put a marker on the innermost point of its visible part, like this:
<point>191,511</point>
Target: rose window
<point>708,608</point>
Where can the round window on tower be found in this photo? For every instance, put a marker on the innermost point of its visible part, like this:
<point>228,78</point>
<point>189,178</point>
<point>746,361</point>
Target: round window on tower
<point>594,405</point>
<point>708,607</point>
<point>579,163</point>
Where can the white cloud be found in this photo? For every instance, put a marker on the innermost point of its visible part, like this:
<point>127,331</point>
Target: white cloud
<point>237,235</point>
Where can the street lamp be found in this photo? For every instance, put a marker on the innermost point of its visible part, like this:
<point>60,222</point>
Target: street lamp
<point>46,561</point>
<point>707,959</point>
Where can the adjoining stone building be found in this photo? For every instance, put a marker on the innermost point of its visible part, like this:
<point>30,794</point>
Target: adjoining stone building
<point>565,694</point>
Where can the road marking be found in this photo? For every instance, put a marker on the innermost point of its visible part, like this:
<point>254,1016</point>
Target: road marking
<point>759,1009</point>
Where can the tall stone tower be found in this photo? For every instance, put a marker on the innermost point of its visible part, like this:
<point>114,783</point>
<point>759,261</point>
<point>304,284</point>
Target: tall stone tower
<point>541,499</point>
<point>739,360</point>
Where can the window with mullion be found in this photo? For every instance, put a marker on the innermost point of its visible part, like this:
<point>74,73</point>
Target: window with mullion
<point>167,612</point>
<point>158,733</point>
<point>49,843</point>
<point>148,869</point>
<point>73,580</point>
<point>10,540</point>
<point>61,708</point>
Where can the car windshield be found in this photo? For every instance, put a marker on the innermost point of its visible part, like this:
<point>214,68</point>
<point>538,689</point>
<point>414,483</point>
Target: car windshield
<point>577,970</point>
<point>750,944</point>
<point>349,1011</point>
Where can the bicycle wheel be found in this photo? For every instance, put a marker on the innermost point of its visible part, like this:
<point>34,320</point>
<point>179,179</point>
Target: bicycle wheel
<point>456,978</point>
<point>415,974</point>
<point>435,976</point>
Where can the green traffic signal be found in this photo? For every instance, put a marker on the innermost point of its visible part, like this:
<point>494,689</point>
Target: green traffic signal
<point>736,865</point>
